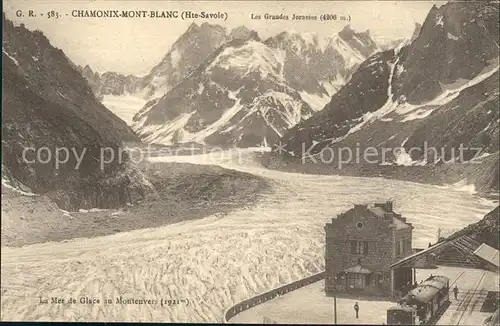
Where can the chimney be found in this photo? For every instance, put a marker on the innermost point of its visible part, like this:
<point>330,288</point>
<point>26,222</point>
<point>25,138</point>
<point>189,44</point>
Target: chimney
<point>388,206</point>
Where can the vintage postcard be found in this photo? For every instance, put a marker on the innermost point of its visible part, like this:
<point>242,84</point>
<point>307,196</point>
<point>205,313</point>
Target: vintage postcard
<point>268,162</point>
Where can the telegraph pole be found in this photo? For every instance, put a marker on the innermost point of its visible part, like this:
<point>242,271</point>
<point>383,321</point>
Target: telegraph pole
<point>335,307</point>
<point>335,301</point>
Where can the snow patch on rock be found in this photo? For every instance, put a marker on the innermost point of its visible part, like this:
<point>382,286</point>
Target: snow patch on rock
<point>316,102</point>
<point>10,57</point>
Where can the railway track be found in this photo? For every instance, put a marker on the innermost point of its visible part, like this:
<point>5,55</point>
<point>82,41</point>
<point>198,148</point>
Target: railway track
<point>435,319</point>
<point>469,296</point>
<point>457,278</point>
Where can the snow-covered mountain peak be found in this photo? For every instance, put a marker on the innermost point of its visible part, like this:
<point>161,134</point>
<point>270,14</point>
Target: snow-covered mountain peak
<point>282,79</point>
<point>251,57</point>
<point>250,91</point>
<point>239,96</point>
<point>302,41</point>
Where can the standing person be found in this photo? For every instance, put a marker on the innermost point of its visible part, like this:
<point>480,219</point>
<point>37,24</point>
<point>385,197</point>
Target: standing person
<point>455,291</point>
<point>356,308</point>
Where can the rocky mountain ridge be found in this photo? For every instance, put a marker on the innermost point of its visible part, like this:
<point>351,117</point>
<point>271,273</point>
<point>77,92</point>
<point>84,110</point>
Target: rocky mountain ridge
<point>330,61</point>
<point>48,104</point>
<point>439,91</point>
<point>281,81</point>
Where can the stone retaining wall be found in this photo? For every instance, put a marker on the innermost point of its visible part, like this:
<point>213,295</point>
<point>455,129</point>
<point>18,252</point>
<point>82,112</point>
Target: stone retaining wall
<point>261,298</point>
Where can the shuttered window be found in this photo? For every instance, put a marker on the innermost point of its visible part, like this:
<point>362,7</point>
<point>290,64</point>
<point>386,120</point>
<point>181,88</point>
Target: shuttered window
<point>359,247</point>
<point>354,245</point>
<point>403,247</point>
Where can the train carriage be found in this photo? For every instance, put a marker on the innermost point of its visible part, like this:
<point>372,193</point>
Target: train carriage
<point>423,303</point>
<point>401,315</point>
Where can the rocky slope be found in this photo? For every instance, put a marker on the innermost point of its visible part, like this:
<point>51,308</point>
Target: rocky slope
<point>110,83</point>
<point>47,103</point>
<point>439,91</point>
<point>416,32</point>
<point>249,91</point>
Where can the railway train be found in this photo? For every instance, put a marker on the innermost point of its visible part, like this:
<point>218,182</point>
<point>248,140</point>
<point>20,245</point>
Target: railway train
<point>423,303</point>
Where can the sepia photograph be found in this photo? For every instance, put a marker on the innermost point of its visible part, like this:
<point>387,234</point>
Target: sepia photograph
<point>250,162</point>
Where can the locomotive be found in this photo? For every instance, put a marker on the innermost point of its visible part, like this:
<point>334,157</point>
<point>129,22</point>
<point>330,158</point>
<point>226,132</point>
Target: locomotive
<point>423,303</point>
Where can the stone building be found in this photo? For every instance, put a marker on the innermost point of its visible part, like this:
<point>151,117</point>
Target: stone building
<point>361,244</point>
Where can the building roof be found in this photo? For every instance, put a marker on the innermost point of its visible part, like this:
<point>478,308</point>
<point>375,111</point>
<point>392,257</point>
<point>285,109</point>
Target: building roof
<point>358,269</point>
<point>488,253</point>
<point>464,243</point>
<point>380,213</point>
<point>377,211</point>
<point>399,224</point>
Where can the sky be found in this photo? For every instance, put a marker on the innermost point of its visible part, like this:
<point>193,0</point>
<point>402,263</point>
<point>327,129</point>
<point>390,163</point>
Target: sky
<point>135,45</point>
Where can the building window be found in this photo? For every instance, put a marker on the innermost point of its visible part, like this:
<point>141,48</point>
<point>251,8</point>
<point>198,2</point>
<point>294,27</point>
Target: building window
<point>359,247</point>
<point>356,280</point>
<point>403,247</point>
<point>408,245</point>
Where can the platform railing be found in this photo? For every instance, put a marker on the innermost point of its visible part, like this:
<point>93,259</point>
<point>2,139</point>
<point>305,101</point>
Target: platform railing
<point>269,295</point>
